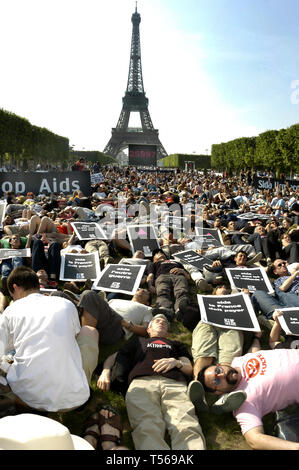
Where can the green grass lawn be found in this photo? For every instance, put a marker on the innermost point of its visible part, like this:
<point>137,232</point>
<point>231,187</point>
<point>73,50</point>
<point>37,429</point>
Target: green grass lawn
<point>221,432</point>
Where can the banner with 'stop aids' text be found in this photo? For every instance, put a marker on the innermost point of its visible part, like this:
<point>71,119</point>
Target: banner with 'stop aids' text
<point>46,182</point>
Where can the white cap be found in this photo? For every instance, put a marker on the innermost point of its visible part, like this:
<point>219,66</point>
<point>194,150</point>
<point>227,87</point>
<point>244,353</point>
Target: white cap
<point>33,432</point>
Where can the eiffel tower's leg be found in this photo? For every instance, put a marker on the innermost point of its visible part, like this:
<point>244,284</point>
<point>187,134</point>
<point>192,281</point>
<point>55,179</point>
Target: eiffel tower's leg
<point>146,121</point>
<point>113,147</point>
<point>123,120</point>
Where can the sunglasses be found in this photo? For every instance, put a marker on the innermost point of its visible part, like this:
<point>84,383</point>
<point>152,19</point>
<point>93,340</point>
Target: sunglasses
<point>281,264</point>
<point>218,370</point>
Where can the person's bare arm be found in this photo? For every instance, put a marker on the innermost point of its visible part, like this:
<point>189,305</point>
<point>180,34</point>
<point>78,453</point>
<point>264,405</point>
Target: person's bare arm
<point>288,282</point>
<point>140,330</point>
<point>166,364</point>
<point>258,440</point>
<point>151,281</point>
<point>28,242</point>
<point>256,344</point>
<point>274,337</point>
<point>87,319</point>
<point>104,379</point>
<point>216,264</point>
<point>70,241</point>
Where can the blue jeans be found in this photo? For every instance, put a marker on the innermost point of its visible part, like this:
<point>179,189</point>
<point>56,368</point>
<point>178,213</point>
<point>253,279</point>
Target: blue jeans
<point>9,264</point>
<point>267,303</point>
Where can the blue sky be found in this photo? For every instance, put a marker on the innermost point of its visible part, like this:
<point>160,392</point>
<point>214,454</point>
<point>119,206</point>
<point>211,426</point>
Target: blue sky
<point>213,70</point>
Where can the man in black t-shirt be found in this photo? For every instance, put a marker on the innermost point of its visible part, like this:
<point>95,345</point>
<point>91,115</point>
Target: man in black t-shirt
<point>156,369</point>
<point>169,281</point>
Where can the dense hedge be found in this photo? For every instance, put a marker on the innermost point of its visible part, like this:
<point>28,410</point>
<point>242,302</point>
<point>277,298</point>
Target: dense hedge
<point>21,142</point>
<point>178,161</point>
<point>93,156</point>
<point>274,150</point>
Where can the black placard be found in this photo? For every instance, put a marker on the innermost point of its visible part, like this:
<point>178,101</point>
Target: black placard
<point>120,278</point>
<point>144,238</point>
<point>208,237</point>
<point>233,311</point>
<point>89,231</point>
<point>290,320</point>
<point>249,278</point>
<point>193,258</point>
<point>262,182</point>
<point>79,267</point>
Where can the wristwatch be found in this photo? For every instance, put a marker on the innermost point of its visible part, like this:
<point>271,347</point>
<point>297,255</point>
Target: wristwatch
<point>131,325</point>
<point>180,365</point>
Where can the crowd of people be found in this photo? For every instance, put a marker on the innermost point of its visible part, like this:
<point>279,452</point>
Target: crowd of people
<point>52,332</point>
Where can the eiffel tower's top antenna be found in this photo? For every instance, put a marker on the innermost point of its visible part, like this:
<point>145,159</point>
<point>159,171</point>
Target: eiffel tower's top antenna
<point>136,7</point>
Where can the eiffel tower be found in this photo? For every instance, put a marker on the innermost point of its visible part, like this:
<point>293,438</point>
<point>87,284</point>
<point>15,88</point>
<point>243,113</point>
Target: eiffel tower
<point>134,101</point>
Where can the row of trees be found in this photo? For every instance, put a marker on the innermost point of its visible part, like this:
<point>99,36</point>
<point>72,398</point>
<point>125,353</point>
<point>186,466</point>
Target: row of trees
<point>23,145</point>
<point>178,161</point>
<point>92,156</point>
<point>274,150</point>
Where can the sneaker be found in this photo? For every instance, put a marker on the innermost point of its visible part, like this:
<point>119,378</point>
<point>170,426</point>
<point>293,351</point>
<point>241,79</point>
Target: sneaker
<point>196,395</point>
<point>255,259</point>
<point>88,285</point>
<point>71,286</point>
<point>102,294</point>
<point>72,295</point>
<point>229,402</point>
<point>182,304</point>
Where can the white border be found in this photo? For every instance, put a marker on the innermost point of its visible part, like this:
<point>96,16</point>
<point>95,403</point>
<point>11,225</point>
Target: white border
<point>3,213</point>
<point>74,225</point>
<point>248,304</point>
<point>260,269</point>
<point>183,261</point>
<point>94,255</point>
<point>26,253</point>
<point>140,269</point>
<point>204,230</point>
<point>283,323</point>
<point>45,291</point>
<point>140,226</point>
